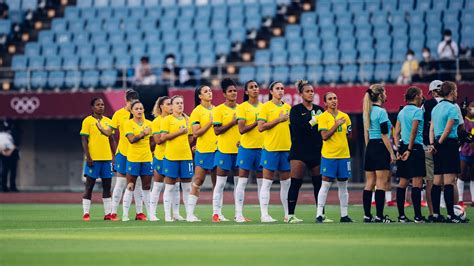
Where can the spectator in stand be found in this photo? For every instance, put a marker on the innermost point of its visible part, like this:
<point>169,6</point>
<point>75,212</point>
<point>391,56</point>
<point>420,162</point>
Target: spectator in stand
<point>410,69</point>
<point>428,67</point>
<point>3,9</point>
<point>9,156</point>
<point>447,52</point>
<point>170,75</point>
<point>143,73</point>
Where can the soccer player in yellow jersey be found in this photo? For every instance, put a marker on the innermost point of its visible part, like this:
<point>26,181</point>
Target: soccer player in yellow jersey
<point>273,120</point>
<point>118,121</point>
<point>225,127</point>
<point>334,126</point>
<point>161,109</point>
<point>139,156</point>
<point>250,149</point>
<point>206,144</point>
<point>178,160</point>
<point>98,147</point>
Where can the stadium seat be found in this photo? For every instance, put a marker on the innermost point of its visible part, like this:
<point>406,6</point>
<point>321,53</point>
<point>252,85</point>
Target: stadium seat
<point>349,73</point>
<point>382,72</point>
<point>281,73</point>
<point>39,79</point>
<point>88,62</point>
<point>366,72</point>
<point>56,79</point>
<point>19,62</point>
<point>331,73</point>
<point>53,62</point>
<point>90,78</point>
<point>263,74</point>
<point>297,73</point>
<point>21,79</point>
<point>108,78</point>
<point>315,74</point>
<point>246,73</point>
<point>35,62</point>
<point>71,62</point>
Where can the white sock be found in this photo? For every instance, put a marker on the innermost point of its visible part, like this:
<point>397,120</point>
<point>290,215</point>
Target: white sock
<point>127,201</point>
<point>120,184</point>
<point>442,202</point>
<point>138,196</point>
<point>322,196</point>
<point>259,186</point>
<point>192,201</point>
<point>265,196</point>
<point>146,200</point>
<point>86,206</point>
<point>167,200</point>
<point>107,205</point>
<point>176,198</point>
<point>155,197</point>
<point>236,181</point>
<point>423,195</point>
<point>284,188</point>
<point>471,188</point>
<point>460,189</point>
<point>217,194</point>
<point>240,196</point>
<point>186,191</point>
<point>388,195</point>
<point>373,196</point>
<point>343,197</point>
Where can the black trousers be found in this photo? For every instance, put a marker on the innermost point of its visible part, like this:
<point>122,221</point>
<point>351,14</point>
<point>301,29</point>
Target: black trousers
<point>9,165</point>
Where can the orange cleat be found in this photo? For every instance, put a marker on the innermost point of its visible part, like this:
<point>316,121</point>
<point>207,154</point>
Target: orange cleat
<point>424,203</point>
<point>373,203</point>
<point>108,217</point>
<point>391,203</point>
<point>140,216</point>
<point>114,217</point>
<point>215,218</point>
<point>86,217</point>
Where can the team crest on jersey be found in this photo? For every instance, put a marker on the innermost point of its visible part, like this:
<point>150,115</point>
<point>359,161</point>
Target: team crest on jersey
<point>90,171</point>
<point>129,168</point>
<point>241,161</point>
<point>324,169</point>
<point>221,162</point>
<point>166,170</point>
<point>201,161</point>
<point>265,162</point>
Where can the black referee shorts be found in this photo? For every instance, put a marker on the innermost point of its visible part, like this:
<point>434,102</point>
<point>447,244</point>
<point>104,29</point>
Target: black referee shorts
<point>414,166</point>
<point>446,159</point>
<point>377,157</point>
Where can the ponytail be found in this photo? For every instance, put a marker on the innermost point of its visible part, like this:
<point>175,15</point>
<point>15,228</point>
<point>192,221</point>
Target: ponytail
<point>157,107</point>
<point>197,92</point>
<point>372,95</point>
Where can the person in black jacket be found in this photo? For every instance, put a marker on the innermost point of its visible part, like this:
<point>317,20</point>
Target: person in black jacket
<point>306,144</point>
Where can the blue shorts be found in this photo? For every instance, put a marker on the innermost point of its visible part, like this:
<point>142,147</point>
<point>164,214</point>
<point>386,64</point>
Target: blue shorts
<point>120,165</point>
<point>467,159</point>
<point>275,160</point>
<point>178,169</point>
<point>139,169</point>
<point>336,168</point>
<point>100,169</point>
<point>249,159</point>
<point>204,160</point>
<point>225,161</point>
<point>158,165</point>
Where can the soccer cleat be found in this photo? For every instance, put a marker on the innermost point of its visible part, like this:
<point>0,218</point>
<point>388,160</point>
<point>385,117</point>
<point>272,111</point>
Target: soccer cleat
<point>267,219</point>
<point>391,203</point>
<point>319,219</point>
<point>454,220</point>
<point>431,219</point>
<point>169,220</point>
<point>327,220</point>
<point>404,219</point>
<point>439,219</point>
<point>125,219</point>
<point>368,219</point>
<point>153,218</point>
<point>461,203</point>
<point>108,217</point>
<point>420,220</point>
<point>424,203</point>
<point>240,219</point>
<point>192,219</point>
<point>86,217</point>
<point>114,217</point>
<point>140,216</point>
<point>294,220</point>
<point>179,218</point>
<point>407,204</point>
<point>215,218</point>
<point>384,220</point>
<point>222,218</point>
<point>346,219</point>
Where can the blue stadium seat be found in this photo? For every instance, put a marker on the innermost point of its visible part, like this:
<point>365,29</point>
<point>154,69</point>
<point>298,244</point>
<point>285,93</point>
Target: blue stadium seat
<point>349,73</point>
<point>268,9</point>
<point>53,62</point>
<point>331,73</point>
<point>102,50</point>
<point>119,49</point>
<point>389,5</point>
<point>382,72</point>
<point>416,18</point>
<point>295,45</point>
<point>124,61</point>
<point>433,17</point>
<point>296,57</point>
<point>14,5</point>
<point>21,79</point>
<point>49,50</point>
<point>72,79</point>
<point>76,26</point>
<point>347,43</point>
<point>150,3</point>
<point>380,19</point>
<point>137,37</point>
<point>56,79</point>
<point>19,62</point>
<point>423,5</point>
<point>315,73</point>
<point>253,22</point>
<point>16,16</point>
<point>63,37</point>
<point>35,62</point>
<point>395,71</point>
<point>103,3</point>
<point>326,20</point>
<point>138,49</point>
<point>363,31</point>
<point>246,73</point>
<point>451,16</point>
<point>372,5</point>
<point>205,47</point>
<point>84,3</point>
<point>308,18</point>
<point>190,60</point>
<point>59,25</point>
<point>105,62</point>
<point>88,13</point>
<point>383,55</point>
<point>348,57</point>
<point>456,4</point>
<point>29,4</point>
<point>397,17</point>
<point>323,8</point>
<point>94,26</point>
<point>252,10</point>
<point>366,43</point>
<point>220,35</point>
<point>366,72</point>
<point>400,31</point>
<point>328,32</point>
<point>223,47</point>
<point>277,44</point>
<point>297,73</point>
<point>382,31</point>
<point>279,57</point>
<point>46,37</point>
<point>345,30</point>
<point>440,4</point>
<point>264,74</point>
<point>339,8</point>
<point>361,19</point>
<point>366,56</point>
<point>116,37</point>
<point>186,34</point>
<point>88,62</point>
<point>71,12</point>
<point>138,11</point>
<point>417,43</point>
<point>108,78</point>
<point>84,49</point>
<point>356,6</point>
<point>90,78</point>
<point>113,25</point>
<point>331,57</point>
<point>344,19</point>
<point>281,73</point>
<point>310,31</point>
<point>39,79</point>
<point>238,35</point>
<point>207,60</point>
<point>406,5</point>
<point>262,57</point>
<point>105,13</point>
<point>71,62</point>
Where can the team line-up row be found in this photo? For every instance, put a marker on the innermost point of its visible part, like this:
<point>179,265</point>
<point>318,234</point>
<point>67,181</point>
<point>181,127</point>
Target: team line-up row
<point>266,138</point>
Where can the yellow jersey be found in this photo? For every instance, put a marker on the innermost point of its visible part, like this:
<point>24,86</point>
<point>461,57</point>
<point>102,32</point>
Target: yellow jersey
<point>208,141</point>
<point>156,130</point>
<point>253,139</point>
<point>119,119</point>
<point>336,147</point>
<point>177,149</point>
<point>140,151</point>
<point>226,142</point>
<point>277,138</point>
<point>98,144</point>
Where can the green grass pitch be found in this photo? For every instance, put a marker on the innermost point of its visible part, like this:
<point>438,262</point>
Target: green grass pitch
<point>34,234</point>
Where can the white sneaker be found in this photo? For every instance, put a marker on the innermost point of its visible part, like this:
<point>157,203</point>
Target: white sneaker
<point>192,219</point>
<point>125,219</point>
<point>267,219</point>
<point>222,218</point>
<point>169,220</point>
<point>240,219</point>
<point>153,219</point>
<point>179,218</point>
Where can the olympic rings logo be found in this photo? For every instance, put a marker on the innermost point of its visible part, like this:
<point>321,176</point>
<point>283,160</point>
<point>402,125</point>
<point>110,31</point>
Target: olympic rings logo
<point>24,104</point>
